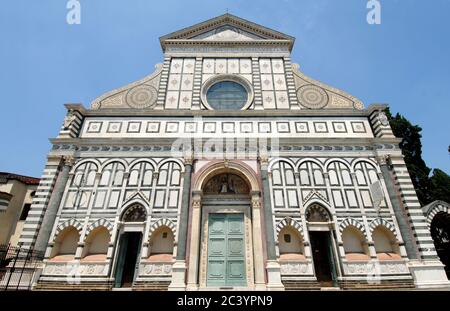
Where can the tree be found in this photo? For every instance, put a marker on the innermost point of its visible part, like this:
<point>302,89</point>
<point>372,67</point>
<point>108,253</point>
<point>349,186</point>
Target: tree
<point>440,186</point>
<point>412,150</point>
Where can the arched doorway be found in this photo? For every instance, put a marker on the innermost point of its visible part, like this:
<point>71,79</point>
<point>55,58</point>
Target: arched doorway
<point>321,237</point>
<point>226,248</point>
<point>225,235</point>
<point>132,225</point>
<point>440,232</point>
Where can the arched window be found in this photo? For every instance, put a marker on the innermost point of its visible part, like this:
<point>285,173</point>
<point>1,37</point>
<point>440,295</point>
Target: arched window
<point>140,179</point>
<point>366,175</point>
<point>110,186</point>
<point>312,178</point>
<point>385,243</point>
<point>290,244</point>
<point>96,245</point>
<point>341,183</point>
<point>161,245</point>
<point>355,245</point>
<point>80,191</point>
<point>66,244</point>
<point>168,186</point>
<point>284,184</point>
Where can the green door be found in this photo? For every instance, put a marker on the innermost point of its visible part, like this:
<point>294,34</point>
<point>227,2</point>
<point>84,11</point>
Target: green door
<point>226,250</point>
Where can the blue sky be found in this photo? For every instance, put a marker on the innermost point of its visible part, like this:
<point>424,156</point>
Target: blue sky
<point>45,63</point>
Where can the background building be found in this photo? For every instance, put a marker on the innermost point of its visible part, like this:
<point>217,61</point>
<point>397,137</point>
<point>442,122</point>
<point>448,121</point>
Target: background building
<point>229,168</point>
<point>16,195</point>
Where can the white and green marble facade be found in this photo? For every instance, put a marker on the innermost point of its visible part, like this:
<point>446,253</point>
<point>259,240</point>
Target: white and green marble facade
<point>326,148</point>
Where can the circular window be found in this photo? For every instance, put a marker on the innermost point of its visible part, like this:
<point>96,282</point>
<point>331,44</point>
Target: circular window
<point>227,92</point>
<point>227,95</point>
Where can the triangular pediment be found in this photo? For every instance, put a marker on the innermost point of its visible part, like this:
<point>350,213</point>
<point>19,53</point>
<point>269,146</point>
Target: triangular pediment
<point>137,195</point>
<point>227,33</point>
<point>226,27</point>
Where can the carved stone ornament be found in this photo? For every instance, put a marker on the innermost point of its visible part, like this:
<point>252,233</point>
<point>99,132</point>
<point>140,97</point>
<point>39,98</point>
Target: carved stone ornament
<point>290,268</point>
<point>226,184</point>
<point>383,118</point>
<point>312,96</point>
<point>135,213</point>
<point>317,213</point>
<point>69,160</point>
<point>142,96</point>
<point>69,118</point>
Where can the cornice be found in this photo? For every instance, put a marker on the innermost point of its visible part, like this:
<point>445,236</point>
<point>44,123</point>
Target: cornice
<point>117,112</point>
<point>168,141</point>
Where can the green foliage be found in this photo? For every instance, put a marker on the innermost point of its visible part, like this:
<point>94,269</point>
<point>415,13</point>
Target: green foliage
<point>428,189</point>
<point>440,186</point>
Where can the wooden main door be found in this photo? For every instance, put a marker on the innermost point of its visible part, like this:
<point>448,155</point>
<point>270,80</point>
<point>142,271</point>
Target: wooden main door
<point>226,250</point>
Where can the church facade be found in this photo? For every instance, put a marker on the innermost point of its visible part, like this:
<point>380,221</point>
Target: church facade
<point>228,168</point>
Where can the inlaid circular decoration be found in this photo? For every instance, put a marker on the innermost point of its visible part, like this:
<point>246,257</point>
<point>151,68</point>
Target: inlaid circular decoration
<point>227,92</point>
<point>312,97</point>
<point>142,96</point>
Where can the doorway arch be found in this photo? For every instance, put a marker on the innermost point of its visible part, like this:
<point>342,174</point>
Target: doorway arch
<point>322,237</point>
<point>226,192</point>
<point>131,227</point>
<point>438,217</point>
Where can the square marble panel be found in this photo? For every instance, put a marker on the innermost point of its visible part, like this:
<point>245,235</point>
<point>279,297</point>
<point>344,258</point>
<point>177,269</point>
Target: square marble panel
<point>320,127</point>
<point>264,127</point>
<point>282,99</point>
<point>152,127</point>
<point>189,65</point>
<point>264,65</point>
<point>358,127</point>
<point>233,65</point>
<point>246,127</point>
<point>172,99</point>
<point>174,82</point>
<point>209,127</point>
<point>208,65</point>
<point>134,127</point>
<point>283,127</point>
<point>302,127</point>
<point>339,127</point>
<point>268,100</point>
<point>228,127</point>
<point>245,65</point>
<point>221,65</point>
<point>266,82</point>
<point>187,82</point>
<point>185,99</point>
<point>280,82</point>
<point>172,127</point>
<point>277,65</point>
<point>176,65</point>
<point>114,127</point>
<point>190,127</point>
<point>94,127</point>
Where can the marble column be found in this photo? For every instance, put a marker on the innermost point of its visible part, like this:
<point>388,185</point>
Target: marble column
<point>192,282</point>
<point>179,267</point>
<point>258,254</point>
<point>53,205</point>
<point>272,266</point>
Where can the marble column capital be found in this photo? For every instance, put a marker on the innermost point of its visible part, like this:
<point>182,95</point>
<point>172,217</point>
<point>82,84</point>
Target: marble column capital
<point>68,160</point>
